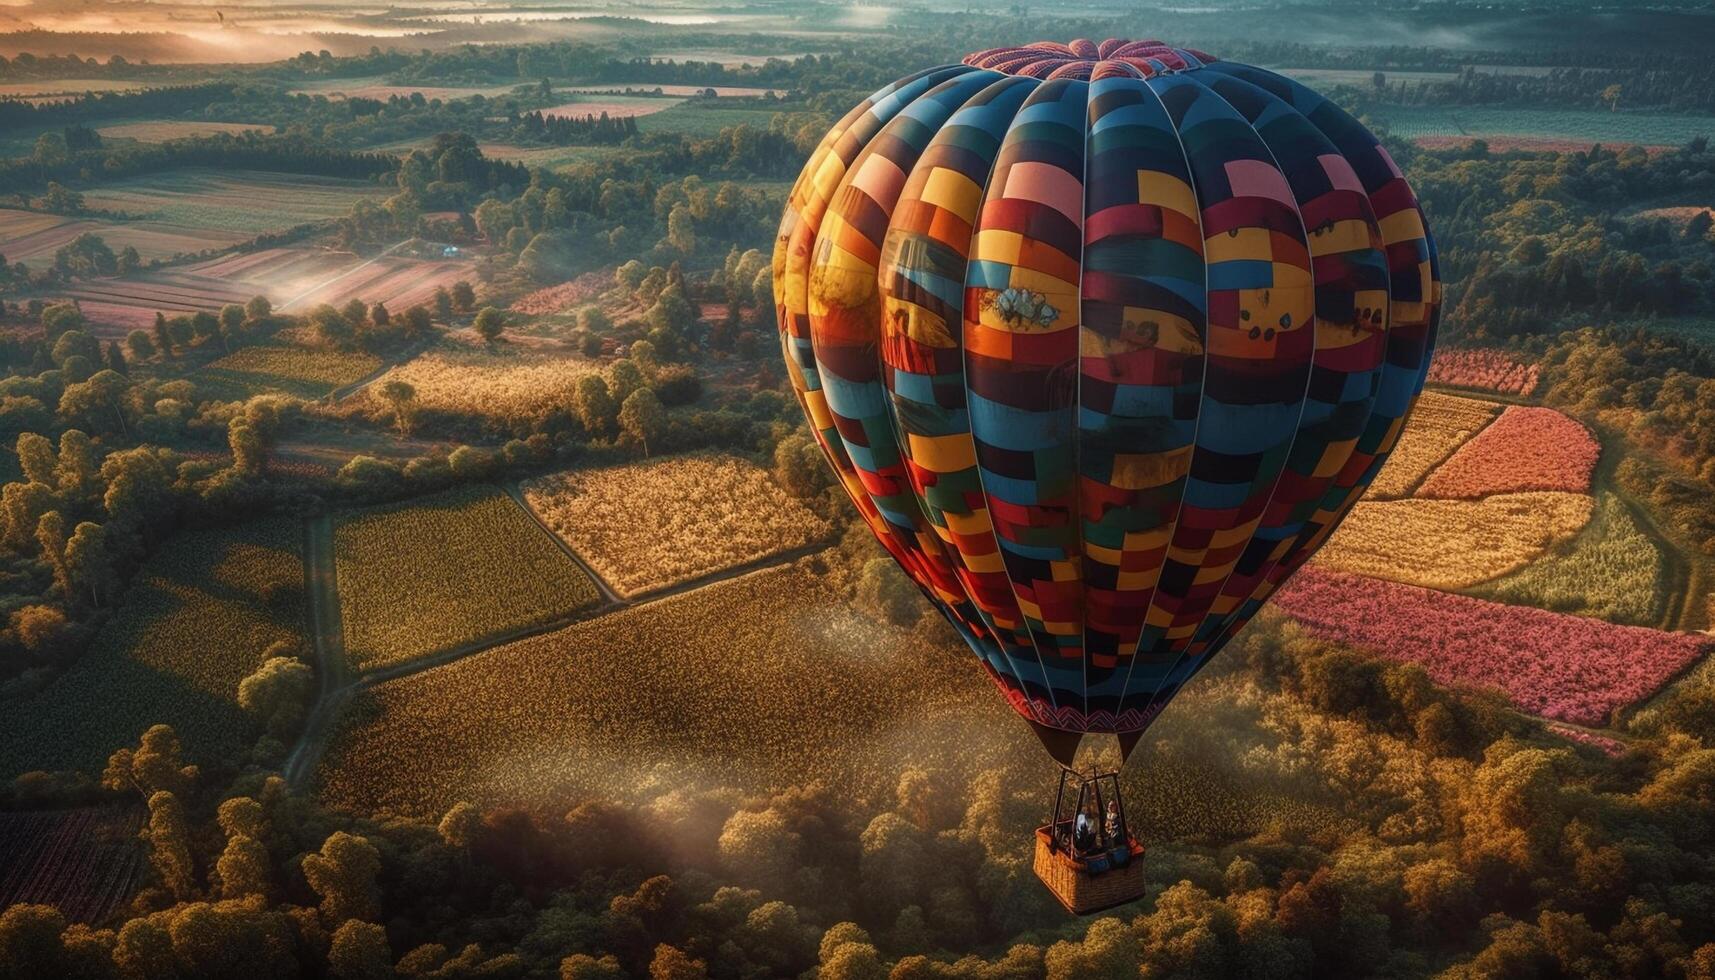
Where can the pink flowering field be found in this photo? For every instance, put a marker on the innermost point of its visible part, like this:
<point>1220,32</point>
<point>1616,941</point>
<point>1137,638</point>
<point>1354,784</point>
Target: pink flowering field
<point>1550,664</point>
<point>1525,449</point>
<point>1486,368</point>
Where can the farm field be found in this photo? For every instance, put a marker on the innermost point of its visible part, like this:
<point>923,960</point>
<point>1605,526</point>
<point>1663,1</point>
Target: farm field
<point>84,861</point>
<point>161,130</point>
<point>733,684</point>
<point>1572,125</point>
<point>375,87</point>
<point>612,106</point>
<point>1525,449</point>
<point>762,668</point>
<point>293,279</point>
<point>1612,571</point>
<point>1453,544</point>
<point>647,526</point>
<point>44,88</point>
<point>702,119</point>
<point>1437,427</point>
<point>721,91</point>
<point>288,370</point>
<point>1556,665</point>
<point>33,237</point>
<point>425,576</point>
<point>491,383</point>
<point>1486,368</point>
<point>251,201</point>
<point>195,622</point>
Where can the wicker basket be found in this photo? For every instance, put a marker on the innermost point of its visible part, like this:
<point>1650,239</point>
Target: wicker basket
<point>1079,888</point>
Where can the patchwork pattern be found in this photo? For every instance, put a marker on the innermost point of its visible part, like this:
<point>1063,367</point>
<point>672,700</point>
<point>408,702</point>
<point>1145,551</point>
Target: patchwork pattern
<point>1103,340</point>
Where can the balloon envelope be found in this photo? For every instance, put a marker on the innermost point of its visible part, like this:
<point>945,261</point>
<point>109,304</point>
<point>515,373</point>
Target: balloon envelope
<point>1103,340</point>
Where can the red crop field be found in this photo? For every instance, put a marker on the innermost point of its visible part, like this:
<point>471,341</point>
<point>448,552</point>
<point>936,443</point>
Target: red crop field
<point>294,279</point>
<point>1555,665</point>
<point>1486,368</point>
<point>613,106</point>
<point>1525,449</point>
<point>84,861</point>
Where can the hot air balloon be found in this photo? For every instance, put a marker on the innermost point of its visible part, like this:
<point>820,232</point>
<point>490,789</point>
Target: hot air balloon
<point>1103,341</point>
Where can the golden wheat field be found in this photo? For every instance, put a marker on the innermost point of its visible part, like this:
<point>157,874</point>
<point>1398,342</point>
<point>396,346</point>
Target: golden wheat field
<point>1438,425</point>
<point>645,526</point>
<point>498,384</point>
<point>427,575</point>
<point>1453,544</point>
<point>770,681</point>
<point>766,680</point>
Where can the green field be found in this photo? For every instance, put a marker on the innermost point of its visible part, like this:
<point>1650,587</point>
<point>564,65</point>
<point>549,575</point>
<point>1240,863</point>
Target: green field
<point>702,119</point>
<point>286,370</point>
<point>426,576</point>
<point>1596,125</point>
<point>250,202</point>
<point>193,624</point>
<point>1612,570</point>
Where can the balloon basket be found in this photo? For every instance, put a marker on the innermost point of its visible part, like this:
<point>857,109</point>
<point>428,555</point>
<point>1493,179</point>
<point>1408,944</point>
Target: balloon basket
<point>1095,864</point>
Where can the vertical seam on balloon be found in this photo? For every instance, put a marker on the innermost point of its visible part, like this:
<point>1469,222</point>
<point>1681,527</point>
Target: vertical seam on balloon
<point>1076,517</point>
<point>1196,424</point>
<point>964,356</point>
<point>1297,429</point>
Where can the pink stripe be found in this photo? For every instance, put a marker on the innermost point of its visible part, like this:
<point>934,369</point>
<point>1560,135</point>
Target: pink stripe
<point>1340,173</point>
<point>1254,178</point>
<point>1047,184</point>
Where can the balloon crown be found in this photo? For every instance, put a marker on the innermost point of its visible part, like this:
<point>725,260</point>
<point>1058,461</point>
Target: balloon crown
<point>1088,61</point>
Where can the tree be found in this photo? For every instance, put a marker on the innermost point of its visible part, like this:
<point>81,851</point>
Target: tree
<point>89,562</point>
<point>130,260</point>
<point>258,308</point>
<point>343,873</point>
<point>86,255</point>
<point>463,296</point>
<point>75,343</point>
<point>51,539</point>
<point>58,318</point>
<point>360,952</point>
<point>155,765</point>
<point>116,358</point>
<point>232,318</point>
<point>641,417</point>
<point>885,591</point>
<point>331,326</point>
<point>100,401</point>
<point>169,840</point>
<point>30,943</point>
<point>671,963</point>
<point>402,399</point>
<point>490,323</point>
<point>244,868</point>
<point>443,304</point>
<point>379,316</point>
<point>595,407</point>
<point>22,506</point>
<point>355,311</point>
<point>799,466</point>
<point>417,323</point>
<point>62,200</point>
<point>279,694</point>
<point>623,378</point>
<point>37,458</point>
<point>163,336</point>
<point>249,449</point>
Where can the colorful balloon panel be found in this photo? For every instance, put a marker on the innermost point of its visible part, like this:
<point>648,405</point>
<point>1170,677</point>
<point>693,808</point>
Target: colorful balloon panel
<point>1103,340</point>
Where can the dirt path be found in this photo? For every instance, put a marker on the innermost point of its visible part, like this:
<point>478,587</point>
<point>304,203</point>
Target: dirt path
<point>608,595</point>
<point>339,685</point>
<point>340,394</point>
<point>327,634</point>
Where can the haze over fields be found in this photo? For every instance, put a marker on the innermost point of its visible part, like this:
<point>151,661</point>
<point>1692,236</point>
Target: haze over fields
<point>416,559</point>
